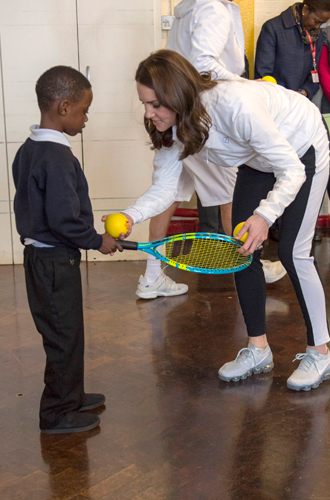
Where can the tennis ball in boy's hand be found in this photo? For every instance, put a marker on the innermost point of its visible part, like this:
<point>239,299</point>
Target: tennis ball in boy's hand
<point>269,78</point>
<point>116,224</point>
<point>237,230</point>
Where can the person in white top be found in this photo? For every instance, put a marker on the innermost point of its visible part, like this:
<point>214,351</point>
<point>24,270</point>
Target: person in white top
<point>209,33</point>
<point>278,140</point>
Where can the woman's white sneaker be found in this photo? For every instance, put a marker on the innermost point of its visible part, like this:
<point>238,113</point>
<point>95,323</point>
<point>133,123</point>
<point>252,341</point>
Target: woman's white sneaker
<point>162,287</point>
<point>248,361</point>
<point>313,369</point>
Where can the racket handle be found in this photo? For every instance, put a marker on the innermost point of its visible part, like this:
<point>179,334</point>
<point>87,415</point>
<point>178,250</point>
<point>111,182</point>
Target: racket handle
<point>128,245</point>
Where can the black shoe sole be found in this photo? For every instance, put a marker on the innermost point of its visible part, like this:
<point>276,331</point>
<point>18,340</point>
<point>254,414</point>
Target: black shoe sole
<point>73,429</point>
<point>92,407</point>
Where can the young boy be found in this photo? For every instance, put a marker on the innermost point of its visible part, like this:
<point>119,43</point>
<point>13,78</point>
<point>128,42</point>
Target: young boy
<point>54,219</point>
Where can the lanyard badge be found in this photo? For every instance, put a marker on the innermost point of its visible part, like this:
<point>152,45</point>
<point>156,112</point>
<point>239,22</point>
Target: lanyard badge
<point>314,73</point>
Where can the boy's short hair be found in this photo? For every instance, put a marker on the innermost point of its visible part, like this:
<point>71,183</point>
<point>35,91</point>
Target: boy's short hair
<point>60,82</point>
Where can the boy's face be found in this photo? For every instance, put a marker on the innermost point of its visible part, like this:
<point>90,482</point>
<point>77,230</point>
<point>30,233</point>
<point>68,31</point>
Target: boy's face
<point>77,114</point>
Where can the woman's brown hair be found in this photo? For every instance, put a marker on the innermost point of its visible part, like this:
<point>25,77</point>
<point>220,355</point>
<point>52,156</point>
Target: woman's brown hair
<point>177,85</point>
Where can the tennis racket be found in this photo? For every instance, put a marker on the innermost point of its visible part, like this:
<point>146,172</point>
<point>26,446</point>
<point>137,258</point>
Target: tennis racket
<point>205,253</point>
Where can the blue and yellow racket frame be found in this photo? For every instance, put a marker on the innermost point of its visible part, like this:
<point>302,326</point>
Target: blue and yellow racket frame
<point>218,251</point>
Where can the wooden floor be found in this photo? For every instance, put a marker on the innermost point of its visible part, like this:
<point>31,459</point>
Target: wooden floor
<point>170,429</point>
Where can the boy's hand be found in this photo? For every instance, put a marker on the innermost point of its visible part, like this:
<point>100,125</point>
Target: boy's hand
<point>122,236</point>
<point>109,245</point>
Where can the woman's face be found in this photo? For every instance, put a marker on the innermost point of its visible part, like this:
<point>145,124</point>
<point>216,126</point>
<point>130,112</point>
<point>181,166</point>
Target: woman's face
<point>314,19</point>
<point>163,118</point>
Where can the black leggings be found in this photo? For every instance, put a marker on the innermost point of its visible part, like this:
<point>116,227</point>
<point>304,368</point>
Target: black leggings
<point>295,241</point>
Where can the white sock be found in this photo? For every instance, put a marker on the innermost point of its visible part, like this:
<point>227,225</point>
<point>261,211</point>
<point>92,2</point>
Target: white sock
<point>153,269</point>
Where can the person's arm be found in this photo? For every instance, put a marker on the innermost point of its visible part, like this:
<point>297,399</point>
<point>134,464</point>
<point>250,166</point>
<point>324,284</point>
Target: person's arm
<point>265,52</point>
<point>162,193</point>
<point>209,37</point>
<point>310,87</point>
<point>69,221</point>
<point>324,71</point>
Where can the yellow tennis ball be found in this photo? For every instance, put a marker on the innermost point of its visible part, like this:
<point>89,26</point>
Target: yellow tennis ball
<point>269,78</point>
<point>116,224</point>
<point>237,230</point>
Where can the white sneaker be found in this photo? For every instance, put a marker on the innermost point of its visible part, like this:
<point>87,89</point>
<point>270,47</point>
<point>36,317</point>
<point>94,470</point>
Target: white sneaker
<point>312,370</point>
<point>162,287</point>
<point>248,361</point>
<point>273,271</point>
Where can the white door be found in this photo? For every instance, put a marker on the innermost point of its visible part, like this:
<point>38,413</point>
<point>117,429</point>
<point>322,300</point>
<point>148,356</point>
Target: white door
<point>114,36</point>
<point>5,229</point>
<point>35,35</point>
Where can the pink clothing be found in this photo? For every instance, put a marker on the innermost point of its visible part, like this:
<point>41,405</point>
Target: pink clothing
<point>324,73</point>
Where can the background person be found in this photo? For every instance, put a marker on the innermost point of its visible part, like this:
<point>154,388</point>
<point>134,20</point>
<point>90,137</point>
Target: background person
<point>278,140</point>
<point>324,72</point>
<point>289,46</point>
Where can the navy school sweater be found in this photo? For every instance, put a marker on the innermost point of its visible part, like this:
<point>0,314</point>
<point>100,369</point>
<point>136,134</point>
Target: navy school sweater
<point>52,204</point>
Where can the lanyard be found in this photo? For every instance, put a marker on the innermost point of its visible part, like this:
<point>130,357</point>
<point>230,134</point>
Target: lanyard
<point>313,49</point>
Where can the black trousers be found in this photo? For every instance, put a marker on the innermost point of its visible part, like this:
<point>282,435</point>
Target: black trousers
<point>53,284</point>
<point>209,218</point>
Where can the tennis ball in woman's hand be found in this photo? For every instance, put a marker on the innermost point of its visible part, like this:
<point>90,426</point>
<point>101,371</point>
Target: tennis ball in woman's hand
<point>237,230</point>
<point>116,224</point>
<point>269,78</point>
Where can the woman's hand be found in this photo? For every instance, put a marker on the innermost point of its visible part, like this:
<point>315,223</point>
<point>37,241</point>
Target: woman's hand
<point>257,228</point>
<point>122,236</point>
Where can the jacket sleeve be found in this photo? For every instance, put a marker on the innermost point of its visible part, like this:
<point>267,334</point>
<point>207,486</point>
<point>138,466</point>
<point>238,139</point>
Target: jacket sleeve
<point>162,193</point>
<point>69,215</point>
<point>209,36</point>
<point>265,52</point>
<point>255,126</point>
<point>324,71</point>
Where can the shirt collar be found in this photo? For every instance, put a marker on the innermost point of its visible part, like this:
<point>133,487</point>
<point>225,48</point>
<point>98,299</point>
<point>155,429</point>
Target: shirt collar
<point>288,19</point>
<point>46,134</point>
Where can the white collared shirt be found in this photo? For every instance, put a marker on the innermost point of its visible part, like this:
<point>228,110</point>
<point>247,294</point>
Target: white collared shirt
<point>47,134</point>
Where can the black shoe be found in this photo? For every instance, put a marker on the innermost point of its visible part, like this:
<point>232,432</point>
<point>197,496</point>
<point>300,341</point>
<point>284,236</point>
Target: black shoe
<point>74,422</point>
<point>92,401</point>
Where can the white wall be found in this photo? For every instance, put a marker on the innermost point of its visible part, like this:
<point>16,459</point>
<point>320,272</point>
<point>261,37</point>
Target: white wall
<point>110,36</point>
<point>266,9</point>
<point>5,219</point>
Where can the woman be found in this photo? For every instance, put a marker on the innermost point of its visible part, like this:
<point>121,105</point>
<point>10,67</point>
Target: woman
<point>289,46</point>
<point>277,139</point>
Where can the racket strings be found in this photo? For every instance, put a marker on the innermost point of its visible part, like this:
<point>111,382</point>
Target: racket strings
<point>205,253</point>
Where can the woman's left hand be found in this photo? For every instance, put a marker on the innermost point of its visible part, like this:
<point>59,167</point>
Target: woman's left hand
<point>130,227</point>
<point>257,228</point>
<point>122,236</point>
